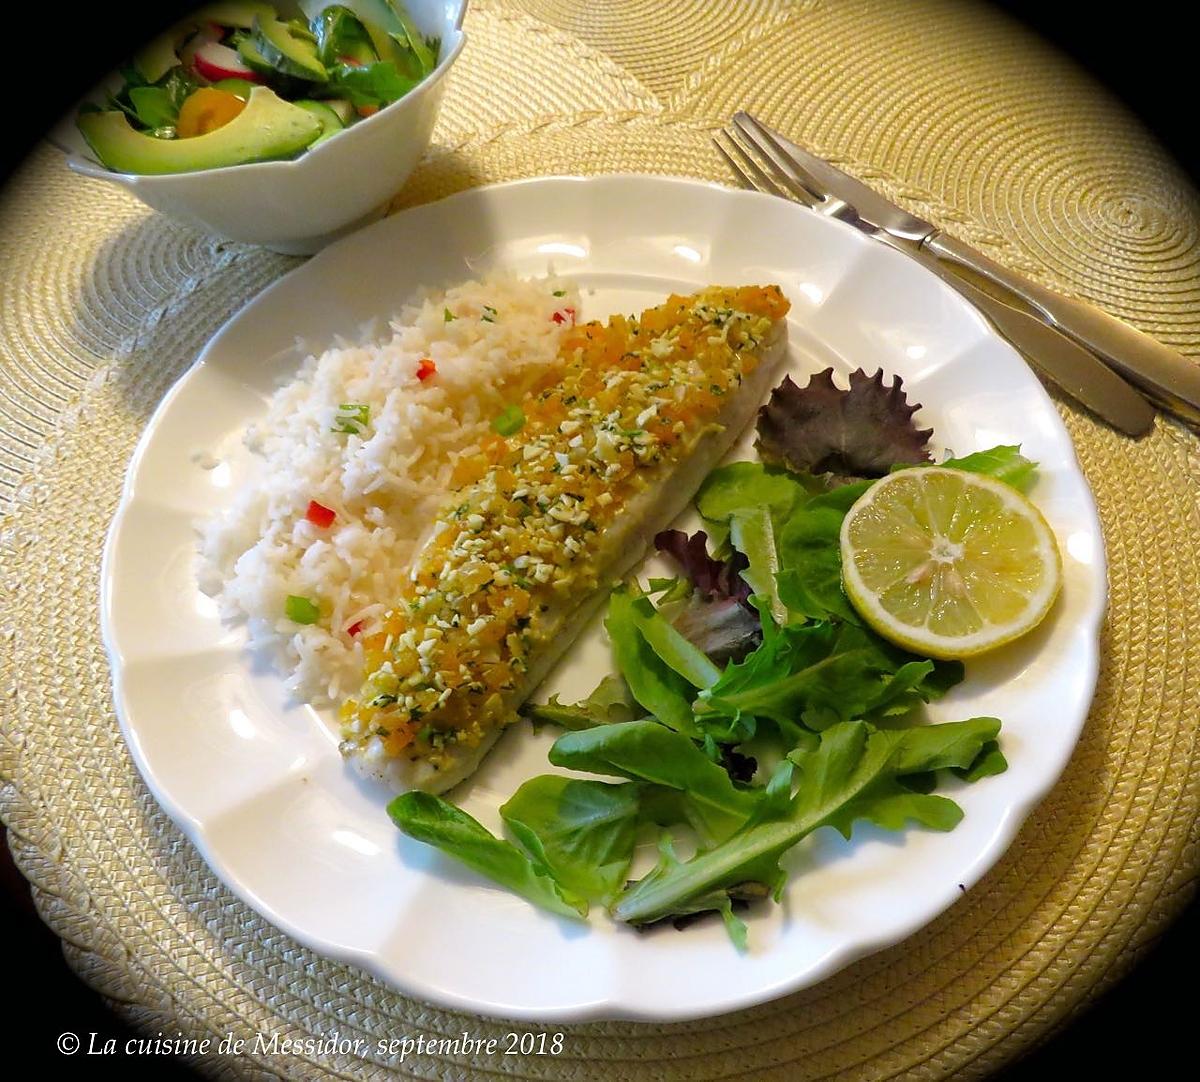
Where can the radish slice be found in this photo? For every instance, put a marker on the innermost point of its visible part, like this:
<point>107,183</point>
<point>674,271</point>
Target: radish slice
<point>214,61</point>
<point>201,37</point>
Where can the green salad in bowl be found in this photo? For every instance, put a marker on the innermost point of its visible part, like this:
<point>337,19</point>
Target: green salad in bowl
<point>241,81</point>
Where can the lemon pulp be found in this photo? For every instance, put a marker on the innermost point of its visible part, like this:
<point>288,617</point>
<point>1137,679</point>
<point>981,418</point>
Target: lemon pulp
<point>948,563</point>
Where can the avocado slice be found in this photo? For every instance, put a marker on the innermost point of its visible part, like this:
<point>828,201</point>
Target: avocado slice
<point>331,123</point>
<point>268,127</point>
<point>255,60</point>
<point>239,88</point>
<point>154,59</point>
<point>287,53</point>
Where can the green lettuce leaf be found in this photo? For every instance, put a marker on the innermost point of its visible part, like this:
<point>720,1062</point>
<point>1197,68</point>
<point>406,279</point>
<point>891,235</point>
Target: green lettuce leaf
<point>1005,463</point>
<point>647,752</point>
<point>371,84</point>
<point>653,683</point>
<point>743,485</point>
<point>810,557</point>
<point>436,822</point>
<point>582,831</point>
<point>610,702</point>
<point>851,776</point>
<point>753,535</point>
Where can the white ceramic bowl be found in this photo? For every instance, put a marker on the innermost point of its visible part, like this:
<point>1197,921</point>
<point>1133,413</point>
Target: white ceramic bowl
<point>300,205</point>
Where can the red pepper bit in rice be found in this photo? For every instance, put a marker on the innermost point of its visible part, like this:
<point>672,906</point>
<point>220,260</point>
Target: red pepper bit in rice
<point>519,532</point>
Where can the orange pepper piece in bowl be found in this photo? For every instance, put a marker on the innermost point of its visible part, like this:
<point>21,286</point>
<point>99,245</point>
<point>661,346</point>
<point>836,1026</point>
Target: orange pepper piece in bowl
<point>205,110</point>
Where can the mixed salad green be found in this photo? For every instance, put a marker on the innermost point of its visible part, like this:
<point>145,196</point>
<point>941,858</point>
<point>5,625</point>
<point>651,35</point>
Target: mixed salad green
<point>750,704</point>
<point>240,81</point>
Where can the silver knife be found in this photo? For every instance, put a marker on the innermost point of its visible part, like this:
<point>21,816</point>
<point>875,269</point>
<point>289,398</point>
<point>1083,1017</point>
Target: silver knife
<point>1062,360</point>
<point>1166,376</point>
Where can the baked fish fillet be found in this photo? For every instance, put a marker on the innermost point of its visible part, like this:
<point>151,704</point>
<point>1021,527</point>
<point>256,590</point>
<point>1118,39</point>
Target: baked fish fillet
<point>548,518</point>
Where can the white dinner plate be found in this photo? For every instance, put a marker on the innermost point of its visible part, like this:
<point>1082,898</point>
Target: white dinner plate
<point>256,781</point>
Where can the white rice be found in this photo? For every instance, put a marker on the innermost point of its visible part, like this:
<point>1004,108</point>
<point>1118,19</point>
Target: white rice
<point>386,485</point>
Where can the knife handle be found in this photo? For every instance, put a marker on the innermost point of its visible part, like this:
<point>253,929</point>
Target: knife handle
<point>1167,377</point>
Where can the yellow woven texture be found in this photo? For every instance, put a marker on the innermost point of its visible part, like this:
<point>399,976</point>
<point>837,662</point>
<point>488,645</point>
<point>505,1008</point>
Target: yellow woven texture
<point>949,108</point>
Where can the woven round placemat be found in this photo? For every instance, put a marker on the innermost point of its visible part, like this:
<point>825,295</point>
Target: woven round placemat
<point>965,118</point>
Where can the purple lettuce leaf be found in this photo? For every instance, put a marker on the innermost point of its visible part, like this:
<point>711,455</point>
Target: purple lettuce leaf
<point>857,433</point>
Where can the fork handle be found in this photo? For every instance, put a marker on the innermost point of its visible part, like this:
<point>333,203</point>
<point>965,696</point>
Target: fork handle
<point>1166,376</point>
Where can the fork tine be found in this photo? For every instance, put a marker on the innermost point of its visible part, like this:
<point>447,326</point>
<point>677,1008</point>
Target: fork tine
<point>747,148</point>
<point>762,140</point>
<point>748,169</point>
<point>754,174</point>
<point>738,171</point>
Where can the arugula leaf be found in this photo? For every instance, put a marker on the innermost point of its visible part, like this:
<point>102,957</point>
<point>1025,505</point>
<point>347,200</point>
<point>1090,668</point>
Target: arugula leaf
<point>720,901</point>
<point>799,673</point>
<point>850,776</point>
<point>1005,463</point>
<point>645,751</point>
<point>752,534</point>
<point>610,702</point>
<point>436,822</point>
<point>783,651</point>
<point>988,762</point>
<point>950,745</point>
<point>911,679</point>
<point>423,49</point>
<point>921,750</point>
<point>672,590</point>
<point>581,831</point>
<point>822,673</point>
<point>340,34</point>
<point>673,648</point>
<point>654,684</point>
<point>815,681</point>
<point>153,106</point>
<point>371,84</point>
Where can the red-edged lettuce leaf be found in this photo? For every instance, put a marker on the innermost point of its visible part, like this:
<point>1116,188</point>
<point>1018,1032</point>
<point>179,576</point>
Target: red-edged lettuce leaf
<point>715,579</point>
<point>719,618</point>
<point>860,432</point>
<point>726,630</point>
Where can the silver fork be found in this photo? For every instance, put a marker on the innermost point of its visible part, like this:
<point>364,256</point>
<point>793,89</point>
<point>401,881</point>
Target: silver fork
<point>763,165</point>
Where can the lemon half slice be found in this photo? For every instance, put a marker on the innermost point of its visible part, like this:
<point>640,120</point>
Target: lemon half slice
<point>948,563</point>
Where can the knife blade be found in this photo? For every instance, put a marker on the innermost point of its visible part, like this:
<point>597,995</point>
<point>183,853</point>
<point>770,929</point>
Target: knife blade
<point>1062,360</point>
<point>1166,376</point>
